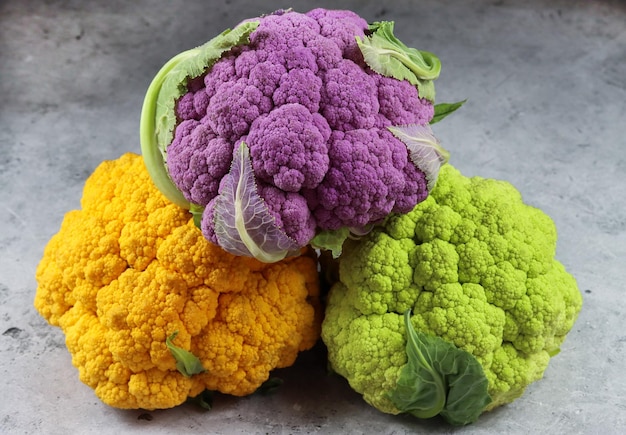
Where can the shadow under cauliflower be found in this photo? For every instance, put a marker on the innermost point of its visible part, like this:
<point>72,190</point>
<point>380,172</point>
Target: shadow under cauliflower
<point>130,269</point>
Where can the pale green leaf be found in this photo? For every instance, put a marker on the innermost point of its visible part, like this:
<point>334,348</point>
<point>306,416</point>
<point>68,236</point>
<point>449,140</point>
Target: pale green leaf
<point>424,148</point>
<point>331,240</point>
<point>388,56</point>
<point>243,222</point>
<point>158,116</point>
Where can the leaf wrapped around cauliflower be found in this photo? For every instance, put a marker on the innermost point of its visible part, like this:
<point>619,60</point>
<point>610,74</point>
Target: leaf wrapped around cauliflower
<point>132,283</point>
<point>476,267</point>
<point>311,97</point>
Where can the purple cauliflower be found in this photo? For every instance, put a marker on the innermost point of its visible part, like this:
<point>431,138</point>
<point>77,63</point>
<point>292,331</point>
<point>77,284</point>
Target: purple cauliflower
<point>296,102</point>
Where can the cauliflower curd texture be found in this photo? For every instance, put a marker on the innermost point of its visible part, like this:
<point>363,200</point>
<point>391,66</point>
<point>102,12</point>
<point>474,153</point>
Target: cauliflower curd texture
<point>476,267</point>
<point>130,269</point>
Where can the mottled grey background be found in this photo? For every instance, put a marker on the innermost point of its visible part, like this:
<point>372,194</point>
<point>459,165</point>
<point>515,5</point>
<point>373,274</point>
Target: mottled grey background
<point>546,89</point>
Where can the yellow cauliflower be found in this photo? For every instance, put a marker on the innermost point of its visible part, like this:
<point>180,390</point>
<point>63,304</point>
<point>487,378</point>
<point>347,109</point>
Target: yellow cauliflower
<point>129,270</point>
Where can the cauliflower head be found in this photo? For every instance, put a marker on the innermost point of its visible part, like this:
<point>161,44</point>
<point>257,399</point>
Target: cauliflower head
<point>475,266</point>
<point>293,113</point>
<point>129,270</point>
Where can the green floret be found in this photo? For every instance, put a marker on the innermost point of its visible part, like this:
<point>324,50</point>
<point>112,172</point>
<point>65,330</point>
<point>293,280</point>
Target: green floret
<point>476,267</point>
<point>382,263</point>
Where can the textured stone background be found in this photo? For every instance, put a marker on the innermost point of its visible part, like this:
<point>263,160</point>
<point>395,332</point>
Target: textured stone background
<point>546,89</point>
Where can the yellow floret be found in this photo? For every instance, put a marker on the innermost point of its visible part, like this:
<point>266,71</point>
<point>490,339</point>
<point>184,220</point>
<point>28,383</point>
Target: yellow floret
<point>129,269</point>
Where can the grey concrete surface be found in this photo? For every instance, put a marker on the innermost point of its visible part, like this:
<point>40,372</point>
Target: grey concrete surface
<point>546,89</point>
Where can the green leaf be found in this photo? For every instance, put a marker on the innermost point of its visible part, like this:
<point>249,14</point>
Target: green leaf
<point>444,109</point>
<point>439,378</point>
<point>196,212</point>
<point>554,352</point>
<point>331,240</point>
<point>153,158</point>
<point>387,55</point>
<point>186,362</point>
<point>158,116</point>
<point>203,400</point>
<point>270,386</point>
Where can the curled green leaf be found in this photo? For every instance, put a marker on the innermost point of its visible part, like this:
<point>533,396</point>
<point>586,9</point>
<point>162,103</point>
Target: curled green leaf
<point>333,240</point>
<point>186,362</point>
<point>387,55</point>
<point>153,156</point>
<point>439,379</point>
<point>158,114</point>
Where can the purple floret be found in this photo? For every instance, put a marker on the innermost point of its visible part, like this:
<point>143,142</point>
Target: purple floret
<point>415,183</point>
<point>341,27</point>
<point>300,58</point>
<point>266,76</point>
<point>415,190</point>
<point>362,184</point>
<point>349,97</point>
<point>291,213</point>
<point>400,103</point>
<point>299,86</point>
<point>278,33</point>
<point>233,108</point>
<point>288,148</point>
<point>327,53</point>
<point>244,61</point>
<point>197,160</point>
<point>185,109</point>
<point>222,72</point>
<point>201,103</point>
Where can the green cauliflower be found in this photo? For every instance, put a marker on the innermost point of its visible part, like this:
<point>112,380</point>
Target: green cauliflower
<point>490,304</point>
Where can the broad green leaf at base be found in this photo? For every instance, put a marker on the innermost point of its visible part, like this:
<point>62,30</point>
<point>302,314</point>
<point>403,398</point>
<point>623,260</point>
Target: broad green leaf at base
<point>439,379</point>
